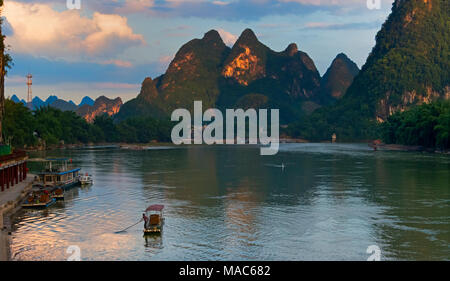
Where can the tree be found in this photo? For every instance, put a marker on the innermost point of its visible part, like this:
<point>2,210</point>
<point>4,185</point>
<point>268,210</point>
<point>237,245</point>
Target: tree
<point>19,124</point>
<point>5,63</point>
<point>426,125</point>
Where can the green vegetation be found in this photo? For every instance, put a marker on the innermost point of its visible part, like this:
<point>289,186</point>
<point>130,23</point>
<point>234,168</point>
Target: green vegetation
<point>51,126</point>
<point>426,125</point>
<point>5,64</point>
<point>411,54</point>
<point>5,149</point>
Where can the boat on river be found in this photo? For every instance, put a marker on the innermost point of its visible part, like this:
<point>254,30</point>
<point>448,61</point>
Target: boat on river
<point>154,219</point>
<point>38,199</point>
<point>86,179</point>
<point>54,191</point>
<point>58,173</point>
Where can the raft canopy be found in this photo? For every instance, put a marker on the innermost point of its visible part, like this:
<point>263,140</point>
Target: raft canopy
<point>157,208</point>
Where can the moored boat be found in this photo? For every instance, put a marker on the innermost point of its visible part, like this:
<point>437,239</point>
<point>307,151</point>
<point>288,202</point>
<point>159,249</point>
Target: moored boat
<point>57,193</point>
<point>38,199</point>
<point>58,173</point>
<point>154,219</point>
<point>54,192</point>
<point>86,179</point>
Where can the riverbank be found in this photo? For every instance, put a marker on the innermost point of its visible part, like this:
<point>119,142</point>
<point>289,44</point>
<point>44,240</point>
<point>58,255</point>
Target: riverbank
<point>10,200</point>
<point>100,145</point>
<point>406,148</point>
<point>143,146</point>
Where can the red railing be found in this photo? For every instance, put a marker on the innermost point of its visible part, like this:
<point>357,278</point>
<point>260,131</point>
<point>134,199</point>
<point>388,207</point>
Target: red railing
<point>15,155</point>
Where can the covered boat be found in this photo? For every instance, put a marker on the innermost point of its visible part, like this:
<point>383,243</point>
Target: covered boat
<point>154,219</point>
<point>58,172</point>
<point>38,199</point>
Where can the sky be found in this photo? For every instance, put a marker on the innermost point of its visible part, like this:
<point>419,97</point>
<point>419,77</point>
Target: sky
<point>108,47</point>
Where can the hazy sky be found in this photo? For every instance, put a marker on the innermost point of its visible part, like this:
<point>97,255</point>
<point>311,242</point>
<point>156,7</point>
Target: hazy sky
<point>108,47</point>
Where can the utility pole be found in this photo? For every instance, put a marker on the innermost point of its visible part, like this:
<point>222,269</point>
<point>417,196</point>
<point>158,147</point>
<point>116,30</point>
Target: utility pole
<point>30,94</point>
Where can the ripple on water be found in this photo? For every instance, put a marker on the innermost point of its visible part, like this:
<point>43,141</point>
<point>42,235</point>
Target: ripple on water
<point>223,203</point>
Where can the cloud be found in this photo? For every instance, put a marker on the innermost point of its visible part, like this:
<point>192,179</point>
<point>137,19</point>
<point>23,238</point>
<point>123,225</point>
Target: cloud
<point>132,6</point>
<point>227,37</point>
<point>40,30</point>
<point>15,79</point>
<point>114,85</point>
<point>228,9</point>
<point>342,26</point>
<point>119,63</point>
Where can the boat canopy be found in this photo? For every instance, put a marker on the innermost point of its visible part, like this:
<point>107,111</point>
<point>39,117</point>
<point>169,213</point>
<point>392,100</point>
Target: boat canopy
<point>157,208</point>
<point>60,173</point>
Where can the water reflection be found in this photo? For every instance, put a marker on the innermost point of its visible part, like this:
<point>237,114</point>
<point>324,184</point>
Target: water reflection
<point>329,202</point>
<point>153,243</point>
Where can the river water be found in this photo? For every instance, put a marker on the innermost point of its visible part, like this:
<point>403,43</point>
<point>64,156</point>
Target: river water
<point>329,202</point>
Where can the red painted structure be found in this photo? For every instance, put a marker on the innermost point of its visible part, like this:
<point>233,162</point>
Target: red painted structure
<point>13,169</point>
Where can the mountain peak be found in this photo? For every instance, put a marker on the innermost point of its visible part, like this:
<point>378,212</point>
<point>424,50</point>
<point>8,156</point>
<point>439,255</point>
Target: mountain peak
<point>292,49</point>
<point>15,99</point>
<point>342,56</point>
<point>350,65</point>
<point>212,35</point>
<point>86,100</point>
<point>247,36</point>
<point>102,105</point>
<point>51,99</point>
<point>338,77</point>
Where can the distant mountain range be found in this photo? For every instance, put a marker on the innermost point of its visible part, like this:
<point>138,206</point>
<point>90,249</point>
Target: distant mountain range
<point>102,105</point>
<point>88,108</point>
<point>408,65</point>
<point>249,74</point>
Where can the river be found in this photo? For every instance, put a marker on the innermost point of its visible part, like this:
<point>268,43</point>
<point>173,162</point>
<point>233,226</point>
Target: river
<point>329,202</point>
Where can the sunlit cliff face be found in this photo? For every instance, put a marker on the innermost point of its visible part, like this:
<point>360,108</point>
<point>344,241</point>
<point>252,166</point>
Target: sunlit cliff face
<point>385,108</point>
<point>177,65</point>
<point>110,109</point>
<point>244,67</point>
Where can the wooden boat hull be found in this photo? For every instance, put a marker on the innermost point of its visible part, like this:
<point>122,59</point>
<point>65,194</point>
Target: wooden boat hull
<point>39,205</point>
<point>58,197</point>
<point>153,229</point>
<point>70,185</point>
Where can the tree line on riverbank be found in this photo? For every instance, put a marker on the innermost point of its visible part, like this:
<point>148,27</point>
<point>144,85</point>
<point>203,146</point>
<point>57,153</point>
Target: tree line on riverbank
<point>51,126</point>
<point>426,125</point>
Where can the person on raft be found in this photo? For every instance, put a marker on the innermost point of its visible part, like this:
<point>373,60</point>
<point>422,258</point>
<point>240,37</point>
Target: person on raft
<point>145,218</point>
